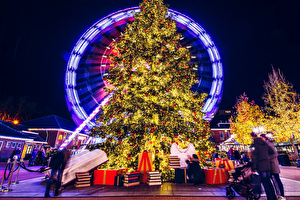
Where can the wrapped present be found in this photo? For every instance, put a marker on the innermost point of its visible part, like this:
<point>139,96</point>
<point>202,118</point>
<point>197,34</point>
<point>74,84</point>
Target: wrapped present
<point>144,165</point>
<point>180,176</point>
<point>225,163</point>
<point>131,179</point>
<point>119,180</point>
<point>216,175</point>
<point>105,177</point>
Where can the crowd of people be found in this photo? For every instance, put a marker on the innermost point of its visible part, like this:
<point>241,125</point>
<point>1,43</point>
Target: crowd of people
<point>237,156</point>
<point>262,154</point>
<point>264,159</point>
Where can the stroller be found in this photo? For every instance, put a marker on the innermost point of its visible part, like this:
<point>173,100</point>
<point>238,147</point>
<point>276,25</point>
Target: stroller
<point>241,184</point>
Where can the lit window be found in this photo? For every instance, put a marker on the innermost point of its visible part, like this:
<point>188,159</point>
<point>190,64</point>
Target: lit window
<point>8,144</point>
<point>227,134</point>
<point>1,143</point>
<point>221,135</point>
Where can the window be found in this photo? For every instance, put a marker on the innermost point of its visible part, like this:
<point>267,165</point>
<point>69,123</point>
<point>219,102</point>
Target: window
<point>227,135</point>
<point>221,135</point>
<point>60,137</point>
<point>1,143</point>
<point>7,144</point>
<point>29,149</point>
<point>13,145</point>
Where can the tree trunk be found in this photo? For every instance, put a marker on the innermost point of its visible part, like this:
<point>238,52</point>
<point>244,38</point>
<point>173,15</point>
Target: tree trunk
<point>294,147</point>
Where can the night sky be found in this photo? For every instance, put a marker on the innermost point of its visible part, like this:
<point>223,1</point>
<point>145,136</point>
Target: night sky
<point>36,38</point>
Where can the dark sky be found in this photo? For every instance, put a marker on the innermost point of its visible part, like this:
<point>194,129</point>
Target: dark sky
<point>251,35</point>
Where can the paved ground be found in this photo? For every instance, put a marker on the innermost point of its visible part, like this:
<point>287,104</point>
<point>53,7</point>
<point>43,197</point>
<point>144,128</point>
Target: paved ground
<point>31,185</point>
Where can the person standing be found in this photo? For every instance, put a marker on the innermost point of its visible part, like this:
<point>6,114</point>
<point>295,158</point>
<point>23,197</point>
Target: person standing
<point>261,164</point>
<point>18,153</point>
<point>32,158</point>
<point>195,170</point>
<point>230,154</point>
<point>57,164</point>
<point>275,170</point>
<point>237,156</point>
<point>13,154</point>
<point>67,155</point>
<point>40,158</point>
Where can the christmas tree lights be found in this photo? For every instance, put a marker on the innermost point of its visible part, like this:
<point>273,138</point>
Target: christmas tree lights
<point>152,105</point>
<point>247,116</point>
<point>283,109</point>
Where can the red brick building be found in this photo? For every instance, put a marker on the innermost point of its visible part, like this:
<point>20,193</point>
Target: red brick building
<point>220,126</point>
<point>54,130</point>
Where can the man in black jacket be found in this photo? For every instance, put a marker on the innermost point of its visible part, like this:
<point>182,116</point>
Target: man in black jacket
<point>261,164</point>
<point>57,164</point>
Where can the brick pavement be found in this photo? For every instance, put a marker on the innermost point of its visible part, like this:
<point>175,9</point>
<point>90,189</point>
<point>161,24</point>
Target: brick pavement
<point>31,185</point>
<point>290,172</point>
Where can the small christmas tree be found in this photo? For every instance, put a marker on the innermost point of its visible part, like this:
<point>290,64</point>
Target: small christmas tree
<point>152,105</point>
<point>247,116</point>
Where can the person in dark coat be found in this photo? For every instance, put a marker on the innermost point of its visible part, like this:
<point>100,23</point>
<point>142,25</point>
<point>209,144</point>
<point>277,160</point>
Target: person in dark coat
<point>18,153</point>
<point>13,154</point>
<point>40,158</point>
<point>230,153</point>
<point>261,164</point>
<point>237,156</point>
<point>195,170</point>
<point>57,164</point>
<point>275,170</point>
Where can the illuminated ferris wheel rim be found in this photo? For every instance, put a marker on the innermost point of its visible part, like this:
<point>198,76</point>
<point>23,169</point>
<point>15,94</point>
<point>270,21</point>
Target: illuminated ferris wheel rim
<point>72,98</point>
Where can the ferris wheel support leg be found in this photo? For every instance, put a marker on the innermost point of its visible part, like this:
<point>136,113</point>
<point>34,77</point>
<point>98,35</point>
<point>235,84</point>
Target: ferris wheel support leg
<point>84,123</point>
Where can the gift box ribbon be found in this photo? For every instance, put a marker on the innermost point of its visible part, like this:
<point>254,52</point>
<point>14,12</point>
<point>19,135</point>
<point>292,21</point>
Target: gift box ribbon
<point>145,163</point>
<point>225,163</point>
<point>121,172</point>
<point>220,175</point>
<point>104,177</point>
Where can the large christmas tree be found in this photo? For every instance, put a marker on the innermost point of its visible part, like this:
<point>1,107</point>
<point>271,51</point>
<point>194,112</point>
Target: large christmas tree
<point>152,105</point>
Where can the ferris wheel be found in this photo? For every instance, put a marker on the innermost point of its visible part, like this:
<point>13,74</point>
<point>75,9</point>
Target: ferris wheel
<point>88,63</point>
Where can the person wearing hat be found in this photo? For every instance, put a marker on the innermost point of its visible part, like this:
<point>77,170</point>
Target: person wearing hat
<point>261,164</point>
<point>275,170</point>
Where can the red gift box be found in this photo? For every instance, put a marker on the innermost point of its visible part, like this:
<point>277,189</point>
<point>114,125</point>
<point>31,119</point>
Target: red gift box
<point>216,176</point>
<point>105,177</point>
<point>228,164</point>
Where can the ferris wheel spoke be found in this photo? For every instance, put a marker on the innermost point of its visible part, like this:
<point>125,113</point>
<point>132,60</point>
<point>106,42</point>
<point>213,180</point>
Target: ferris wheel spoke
<point>85,122</point>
